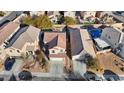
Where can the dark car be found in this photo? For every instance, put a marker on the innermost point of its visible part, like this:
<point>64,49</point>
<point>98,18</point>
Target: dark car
<point>25,75</point>
<point>9,63</point>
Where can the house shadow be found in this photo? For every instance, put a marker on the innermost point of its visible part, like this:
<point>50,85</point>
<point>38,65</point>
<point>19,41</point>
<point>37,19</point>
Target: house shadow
<point>109,75</point>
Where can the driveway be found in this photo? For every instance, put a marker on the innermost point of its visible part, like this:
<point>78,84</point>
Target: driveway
<point>79,67</point>
<point>56,68</point>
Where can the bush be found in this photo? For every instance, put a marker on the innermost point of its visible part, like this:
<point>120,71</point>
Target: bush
<point>69,21</point>
<point>122,69</point>
<point>28,21</point>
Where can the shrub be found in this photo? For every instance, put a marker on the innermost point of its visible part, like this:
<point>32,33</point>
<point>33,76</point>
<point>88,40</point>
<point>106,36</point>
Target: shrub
<point>69,21</point>
<point>122,69</point>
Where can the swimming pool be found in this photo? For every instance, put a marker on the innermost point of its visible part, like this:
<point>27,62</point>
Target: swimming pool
<point>94,32</point>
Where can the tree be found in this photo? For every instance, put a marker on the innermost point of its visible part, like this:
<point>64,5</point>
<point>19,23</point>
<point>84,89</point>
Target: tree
<point>28,21</point>
<point>69,21</point>
<point>42,21</point>
<point>93,63</point>
<point>2,13</point>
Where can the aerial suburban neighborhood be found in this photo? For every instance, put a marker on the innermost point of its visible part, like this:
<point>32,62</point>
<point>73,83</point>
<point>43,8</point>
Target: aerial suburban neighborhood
<point>61,45</point>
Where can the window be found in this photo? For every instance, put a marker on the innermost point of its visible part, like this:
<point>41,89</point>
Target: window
<point>18,51</point>
<point>109,37</point>
<point>30,52</point>
<point>53,51</point>
<point>61,50</point>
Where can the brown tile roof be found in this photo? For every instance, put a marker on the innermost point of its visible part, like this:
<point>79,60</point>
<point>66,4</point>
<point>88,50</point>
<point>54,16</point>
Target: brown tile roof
<point>7,31</point>
<point>55,39</point>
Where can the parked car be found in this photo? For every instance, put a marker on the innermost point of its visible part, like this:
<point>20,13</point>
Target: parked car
<point>90,76</point>
<point>25,75</point>
<point>111,79</point>
<point>9,63</point>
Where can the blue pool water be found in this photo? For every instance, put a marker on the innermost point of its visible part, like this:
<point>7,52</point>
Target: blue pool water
<point>94,32</point>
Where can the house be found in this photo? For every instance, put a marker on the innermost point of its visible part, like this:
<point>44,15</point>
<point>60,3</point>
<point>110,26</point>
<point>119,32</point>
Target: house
<point>25,43</point>
<point>115,38</point>
<point>88,14</point>
<point>81,42</point>
<point>55,45</point>
<point>109,34</point>
<point>36,13</point>
<point>53,16</point>
<point>69,14</point>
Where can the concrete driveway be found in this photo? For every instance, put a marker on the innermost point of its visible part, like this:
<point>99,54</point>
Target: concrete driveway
<point>56,68</point>
<point>79,67</point>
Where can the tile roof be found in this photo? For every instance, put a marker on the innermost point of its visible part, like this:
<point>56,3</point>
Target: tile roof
<point>76,41</point>
<point>6,31</point>
<point>29,36</point>
<point>55,39</point>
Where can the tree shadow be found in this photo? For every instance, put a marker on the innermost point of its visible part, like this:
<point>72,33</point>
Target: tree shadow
<point>110,75</point>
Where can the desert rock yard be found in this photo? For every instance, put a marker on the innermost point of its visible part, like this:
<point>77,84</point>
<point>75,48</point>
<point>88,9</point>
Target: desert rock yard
<point>109,61</point>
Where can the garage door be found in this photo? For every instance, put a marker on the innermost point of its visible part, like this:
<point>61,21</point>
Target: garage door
<point>57,59</point>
